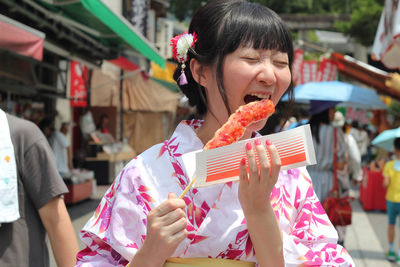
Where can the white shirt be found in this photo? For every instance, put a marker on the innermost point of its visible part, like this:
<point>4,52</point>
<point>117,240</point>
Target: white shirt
<point>60,143</point>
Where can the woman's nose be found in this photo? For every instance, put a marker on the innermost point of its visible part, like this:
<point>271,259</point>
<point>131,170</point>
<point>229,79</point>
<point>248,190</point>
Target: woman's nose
<point>266,74</point>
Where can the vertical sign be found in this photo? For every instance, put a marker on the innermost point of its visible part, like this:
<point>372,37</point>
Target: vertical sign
<point>79,79</point>
<point>327,70</point>
<point>309,71</point>
<point>136,12</point>
<point>297,65</point>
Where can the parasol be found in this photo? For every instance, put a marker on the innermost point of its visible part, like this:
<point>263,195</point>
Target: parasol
<point>346,94</point>
<point>385,139</point>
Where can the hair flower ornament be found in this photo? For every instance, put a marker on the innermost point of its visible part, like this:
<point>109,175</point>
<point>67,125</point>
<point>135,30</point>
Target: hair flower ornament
<point>180,47</point>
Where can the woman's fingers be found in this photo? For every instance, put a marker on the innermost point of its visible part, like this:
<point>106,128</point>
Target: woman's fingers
<point>177,226</point>
<point>179,236</point>
<point>275,159</point>
<point>263,159</point>
<point>243,172</point>
<point>173,216</point>
<point>253,168</point>
<point>169,205</point>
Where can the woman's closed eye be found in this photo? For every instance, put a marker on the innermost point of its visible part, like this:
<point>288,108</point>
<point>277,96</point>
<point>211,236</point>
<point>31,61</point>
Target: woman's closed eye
<point>282,63</point>
<point>251,59</point>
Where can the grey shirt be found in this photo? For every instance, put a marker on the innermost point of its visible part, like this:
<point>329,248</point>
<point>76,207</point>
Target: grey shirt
<point>23,242</point>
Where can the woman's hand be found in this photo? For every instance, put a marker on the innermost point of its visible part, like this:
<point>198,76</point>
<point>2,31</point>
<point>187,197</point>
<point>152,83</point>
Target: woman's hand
<point>254,195</point>
<point>255,188</point>
<point>166,229</point>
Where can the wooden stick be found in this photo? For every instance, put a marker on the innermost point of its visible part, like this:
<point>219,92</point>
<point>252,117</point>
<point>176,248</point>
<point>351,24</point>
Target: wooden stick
<point>187,187</point>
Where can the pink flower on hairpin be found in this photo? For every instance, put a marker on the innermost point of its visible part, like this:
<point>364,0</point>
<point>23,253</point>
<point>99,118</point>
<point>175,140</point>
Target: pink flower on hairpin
<point>181,44</point>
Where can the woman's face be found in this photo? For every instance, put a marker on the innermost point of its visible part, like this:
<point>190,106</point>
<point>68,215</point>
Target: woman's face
<point>331,114</point>
<point>248,75</point>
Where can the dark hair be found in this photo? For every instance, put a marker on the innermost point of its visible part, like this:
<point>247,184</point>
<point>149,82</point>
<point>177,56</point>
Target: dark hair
<point>101,120</point>
<point>355,124</point>
<point>221,27</point>
<point>316,120</point>
<point>396,143</point>
<point>304,113</point>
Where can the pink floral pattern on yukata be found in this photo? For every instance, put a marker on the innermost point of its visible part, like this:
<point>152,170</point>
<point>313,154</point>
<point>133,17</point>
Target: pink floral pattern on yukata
<point>118,227</point>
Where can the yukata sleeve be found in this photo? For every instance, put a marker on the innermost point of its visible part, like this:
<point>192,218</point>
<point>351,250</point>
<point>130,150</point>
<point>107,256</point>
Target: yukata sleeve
<point>118,227</point>
<point>341,145</point>
<point>312,239</point>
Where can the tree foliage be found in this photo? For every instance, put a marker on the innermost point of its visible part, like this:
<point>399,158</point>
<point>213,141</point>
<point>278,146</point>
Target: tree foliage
<point>365,14</point>
<point>364,21</point>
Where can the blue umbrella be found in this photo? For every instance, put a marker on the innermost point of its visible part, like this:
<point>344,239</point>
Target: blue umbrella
<point>385,139</point>
<point>346,93</point>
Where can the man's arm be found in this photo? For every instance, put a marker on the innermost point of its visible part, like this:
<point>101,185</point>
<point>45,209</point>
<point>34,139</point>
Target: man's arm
<point>57,223</point>
<point>69,155</point>
<point>386,181</point>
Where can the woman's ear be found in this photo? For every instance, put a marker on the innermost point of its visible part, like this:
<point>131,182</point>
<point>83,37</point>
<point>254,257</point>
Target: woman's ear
<point>199,72</point>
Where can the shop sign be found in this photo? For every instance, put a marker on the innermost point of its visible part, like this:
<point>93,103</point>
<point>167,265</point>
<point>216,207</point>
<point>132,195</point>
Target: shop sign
<point>79,79</point>
<point>327,70</point>
<point>359,115</point>
<point>308,71</point>
<point>305,71</point>
<point>297,65</point>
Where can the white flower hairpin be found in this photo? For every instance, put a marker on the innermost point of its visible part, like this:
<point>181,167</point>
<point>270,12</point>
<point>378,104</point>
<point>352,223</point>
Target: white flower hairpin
<point>180,47</point>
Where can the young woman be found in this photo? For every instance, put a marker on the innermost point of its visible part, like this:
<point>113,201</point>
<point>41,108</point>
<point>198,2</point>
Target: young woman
<point>239,52</point>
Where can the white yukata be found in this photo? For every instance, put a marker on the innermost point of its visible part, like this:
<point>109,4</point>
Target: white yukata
<point>216,223</point>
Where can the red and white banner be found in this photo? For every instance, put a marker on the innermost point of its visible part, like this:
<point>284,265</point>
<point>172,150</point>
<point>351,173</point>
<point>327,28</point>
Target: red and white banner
<point>305,71</point>
<point>359,115</point>
<point>327,70</point>
<point>297,65</point>
<point>21,39</point>
<point>386,46</point>
<point>79,80</point>
<point>309,71</point>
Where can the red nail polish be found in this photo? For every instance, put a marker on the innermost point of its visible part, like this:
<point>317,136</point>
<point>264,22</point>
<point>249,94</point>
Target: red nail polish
<point>243,161</point>
<point>268,142</point>
<point>257,142</point>
<point>248,146</point>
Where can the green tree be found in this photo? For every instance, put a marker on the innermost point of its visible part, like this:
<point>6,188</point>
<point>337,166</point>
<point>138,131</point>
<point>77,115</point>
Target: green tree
<point>364,21</point>
<point>362,26</point>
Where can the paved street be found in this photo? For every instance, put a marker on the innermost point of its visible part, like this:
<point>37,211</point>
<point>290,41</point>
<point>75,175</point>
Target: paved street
<point>365,239</point>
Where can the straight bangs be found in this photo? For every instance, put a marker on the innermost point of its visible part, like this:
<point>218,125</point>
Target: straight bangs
<point>258,27</point>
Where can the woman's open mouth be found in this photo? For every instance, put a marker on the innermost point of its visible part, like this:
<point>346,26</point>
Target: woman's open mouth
<point>255,97</point>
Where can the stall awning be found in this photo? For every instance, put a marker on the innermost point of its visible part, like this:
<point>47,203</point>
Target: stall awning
<point>165,76</point>
<point>365,73</point>
<point>20,38</point>
<point>143,94</point>
<point>124,63</point>
<point>97,19</point>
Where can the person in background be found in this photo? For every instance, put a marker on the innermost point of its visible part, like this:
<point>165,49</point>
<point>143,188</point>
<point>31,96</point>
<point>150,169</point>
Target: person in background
<point>47,127</point>
<point>31,201</point>
<point>304,117</point>
<point>62,150</point>
<point>323,135</point>
<point>361,137</point>
<point>235,52</point>
<point>391,181</point>
<point>102,125</point>
<point>351,170</point>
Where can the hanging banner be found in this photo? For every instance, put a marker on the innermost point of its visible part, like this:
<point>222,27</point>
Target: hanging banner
<point>308,71</point>
<point>136,12</point>
<point>327,70</point>
<point>79,80</point>
<point>297,66</point>
<point>386,46</point>
<point>360,115</point>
